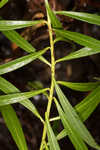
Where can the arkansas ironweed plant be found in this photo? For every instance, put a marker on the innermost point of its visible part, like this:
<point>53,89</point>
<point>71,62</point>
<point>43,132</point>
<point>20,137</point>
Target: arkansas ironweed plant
<point>72,118</point>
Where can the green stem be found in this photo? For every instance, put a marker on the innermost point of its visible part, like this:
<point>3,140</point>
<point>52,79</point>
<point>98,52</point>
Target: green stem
<point>52,80</point>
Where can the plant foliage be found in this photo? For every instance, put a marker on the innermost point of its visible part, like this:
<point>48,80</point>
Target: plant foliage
<point>72,118</point>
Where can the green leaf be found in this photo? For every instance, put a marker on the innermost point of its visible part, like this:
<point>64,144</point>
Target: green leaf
<point>79,38</point>
<point>3,2</point>
<point>20,62</point>
<point>54,20</point>
<point>10,25</point>
<point>83,87</point>
<point>90,18</point>
<point>83,52</point>
<point>18,97</point>
<point>74,119</point>
<point>92,45</point>
<point>72,134</point>
<point>8,88</point>
<point>85,108</point>
<point>14,126</point>
<point>22,43</point>
<point>62,134</point>
<point>51,137</point>
<point>88,104</point>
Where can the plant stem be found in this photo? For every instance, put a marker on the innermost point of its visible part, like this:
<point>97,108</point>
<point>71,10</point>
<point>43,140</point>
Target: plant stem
<point>52,79</point>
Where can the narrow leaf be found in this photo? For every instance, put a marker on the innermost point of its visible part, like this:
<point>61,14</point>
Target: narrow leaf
<point>88,104</point>
<point>8,88</point>
<point>10,25</point>
<point>83,52</point>
<point>22,43</point>
<point>74,119</point>
<point>72,134</point>
<point>14,126</point>
<point>15,98</point>
<point>54,20</point>
<point>20,62</point>
<point>83,87</point>
<point>62,134</point>
<point>3,2</point>
<point>90,18</point>
<point>51,137</point>
<point>92,45</point>
<point>85,108</point>
<point>81,39</point>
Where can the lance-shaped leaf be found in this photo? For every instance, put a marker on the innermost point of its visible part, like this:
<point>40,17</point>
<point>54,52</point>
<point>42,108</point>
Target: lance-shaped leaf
<point>74,119</point>
<point>20,62</point>
<point>20,41</point>
<point>83,52</point>
<point>85,108</point>
<point>92,45</point>
<point>15,98</point>
<point>15,37</point>
<point>9,88</point>
<point>51,137</point>
<point>14,126</point>
<point>10,25</point>
<point>83,87</point>
<point>54,20</point>
<point>3,2</point>
<point>72,134</point>
<point>79,38</point>
<point>90,18</point>
<point>88,104</point>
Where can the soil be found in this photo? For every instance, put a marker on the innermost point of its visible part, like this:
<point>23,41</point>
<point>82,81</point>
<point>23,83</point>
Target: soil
<point>79,70</point>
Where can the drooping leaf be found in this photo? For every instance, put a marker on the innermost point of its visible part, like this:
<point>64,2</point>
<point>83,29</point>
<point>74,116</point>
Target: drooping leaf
<point>74,119</point>
<point>85,108</point>
<point>8,88</point>
<point>20,62</point>
<point>3,2</point>
<point>6,25</point>
<point>15,37</point>
<point>18,97</point>
<point>51,136</point>
<point>54,20</point>
<point>20,41</point>
<point>90,18</point>
<point>72,134</point>
<point>83,87</point>
<point>14,126</point>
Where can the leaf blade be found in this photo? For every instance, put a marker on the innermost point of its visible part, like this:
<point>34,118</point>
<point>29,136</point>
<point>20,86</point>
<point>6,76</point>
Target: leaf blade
<point>54,21</point>
<point>74,136</point>
<point>14,126</point>
<point>85,108</point>
<point>8,88</point>
<point>51,137</point>
<point>82,16</point>
<point>20,62</point>
<point>83,87</point>
<point>15,37</point>
<point>6,25</point>
<point>73,118</point>
<point>3,2</point>
<point>15,98</point>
